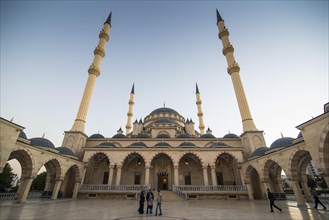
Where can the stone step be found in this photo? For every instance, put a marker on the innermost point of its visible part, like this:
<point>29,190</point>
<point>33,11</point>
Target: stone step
<point>169,196</point>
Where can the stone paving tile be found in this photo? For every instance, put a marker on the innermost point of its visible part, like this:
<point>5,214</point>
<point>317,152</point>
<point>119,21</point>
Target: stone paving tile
<point>127,210</point>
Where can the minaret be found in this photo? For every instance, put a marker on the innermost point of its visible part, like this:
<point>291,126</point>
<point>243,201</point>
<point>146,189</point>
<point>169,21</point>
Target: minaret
<point>233,69</point>
<point>75,139</point>
<point>200,113</point>
<point>130,110</point>
<point>94,72</point>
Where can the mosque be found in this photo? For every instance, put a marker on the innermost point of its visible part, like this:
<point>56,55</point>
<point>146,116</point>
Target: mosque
<point>166,151</point>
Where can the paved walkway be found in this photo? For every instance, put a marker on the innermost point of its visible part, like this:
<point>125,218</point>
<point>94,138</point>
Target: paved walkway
<point>127,210</point>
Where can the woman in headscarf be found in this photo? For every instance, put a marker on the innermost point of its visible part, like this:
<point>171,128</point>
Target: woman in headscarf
<point>141,202</point>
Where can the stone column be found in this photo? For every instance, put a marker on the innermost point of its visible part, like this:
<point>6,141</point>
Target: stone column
<point>110,175</point>
<point>21,187</point>
<point>265,186</point>
<point>26,189</point>
<point>205,176</point>
<point>57,187</point>
<point>76,190</point>
<point>213,175</point>
<point>84,173</point>
<point>236,174</point>
<point>250,195</point>
<point>297,192</point>
<point>118,180</point>
<point>176,180</point>
<point>147,175</point>
<point>307,192</point>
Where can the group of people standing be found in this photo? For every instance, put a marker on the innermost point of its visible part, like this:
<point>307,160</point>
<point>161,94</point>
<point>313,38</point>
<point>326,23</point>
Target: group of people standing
<point>149,202</point>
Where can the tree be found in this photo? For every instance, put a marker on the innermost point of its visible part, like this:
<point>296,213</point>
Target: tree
<point>39,182</point>
<point>7,178</point>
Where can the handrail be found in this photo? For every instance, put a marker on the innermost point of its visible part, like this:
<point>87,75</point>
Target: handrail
<point>179,192</point>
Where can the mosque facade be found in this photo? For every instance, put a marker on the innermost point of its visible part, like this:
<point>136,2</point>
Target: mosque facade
<point>166,151</point>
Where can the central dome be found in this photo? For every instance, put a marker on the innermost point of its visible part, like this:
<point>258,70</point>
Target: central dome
<point>164,110</point>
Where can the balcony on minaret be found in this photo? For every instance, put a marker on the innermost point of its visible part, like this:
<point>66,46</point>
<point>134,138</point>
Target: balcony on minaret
<point>223,33</point>
<point>234,67</point>
<point>94,70</point>
<point>99,51</point>
<point>104,35</point>
<point>228,49</point>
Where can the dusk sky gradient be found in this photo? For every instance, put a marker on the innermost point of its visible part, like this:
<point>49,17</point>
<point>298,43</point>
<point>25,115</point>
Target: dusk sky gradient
<point>164,47</point>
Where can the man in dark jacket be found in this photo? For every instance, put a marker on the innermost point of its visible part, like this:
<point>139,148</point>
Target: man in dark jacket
<point>271,197</point>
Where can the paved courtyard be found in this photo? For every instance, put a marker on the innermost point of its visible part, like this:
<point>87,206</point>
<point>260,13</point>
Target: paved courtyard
<point>127,210</point>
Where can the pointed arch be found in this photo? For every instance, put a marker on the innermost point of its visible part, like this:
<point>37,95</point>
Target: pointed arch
<point>25,159</point>
<point>324,151</point>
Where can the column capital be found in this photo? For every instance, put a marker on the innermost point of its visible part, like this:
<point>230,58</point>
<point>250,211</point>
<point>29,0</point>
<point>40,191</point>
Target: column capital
<point>111,166</point>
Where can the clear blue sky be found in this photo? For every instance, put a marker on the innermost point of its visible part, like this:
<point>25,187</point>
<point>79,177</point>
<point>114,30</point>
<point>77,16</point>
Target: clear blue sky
<point>164,47</point>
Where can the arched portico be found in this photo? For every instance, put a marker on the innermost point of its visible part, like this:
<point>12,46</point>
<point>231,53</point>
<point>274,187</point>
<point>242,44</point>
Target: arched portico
<point>27,164</point>
<point>225,166</point>
<point>253,183</point>
<point>272,174</point>
<point>97,169</point>
<point>299,160</point>
<point>161,172</point>
<point>191,170</point>
<point>133,170</point>
<point>71,182</point>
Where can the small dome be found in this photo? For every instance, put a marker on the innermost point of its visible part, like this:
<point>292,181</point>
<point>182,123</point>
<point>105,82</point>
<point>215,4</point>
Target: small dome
<point>183,136</point>
<point>300,135</point>
<point>163,121</point>
<point>207,136</point>
<point>187,144</point>
<point>163,135</point>
<point>96,136</point>
<point>282,142</point>
<point>138,144</point>
<point>119,136</point>
<point>106,144</point>
<point>259,152</point>
<point>42,142</point>
<point>219,144</point>
<point>143,136</point>
<point>22,135</point>
<point>163,110</point>
<point>162,144</point>
<point>230,135</point>
<point>65,151</point>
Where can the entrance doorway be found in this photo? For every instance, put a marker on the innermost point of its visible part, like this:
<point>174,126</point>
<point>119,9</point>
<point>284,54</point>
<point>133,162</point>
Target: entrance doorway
<point>163,181</point>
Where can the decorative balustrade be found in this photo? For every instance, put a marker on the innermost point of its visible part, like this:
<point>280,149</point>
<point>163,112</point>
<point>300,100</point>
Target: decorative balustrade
<point>179,192</point>
<point>7,198</point>
<point>219,188</point>
<point>87,187</point>
<point>324,199</point>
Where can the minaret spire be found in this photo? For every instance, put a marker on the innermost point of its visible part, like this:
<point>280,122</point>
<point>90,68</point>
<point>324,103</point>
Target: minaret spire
<point>234,70</point>
<point>108,20</point>
<point>130,109</point>
<point>94,72</point>
<point>200,113</point>
<point>219,18</point>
